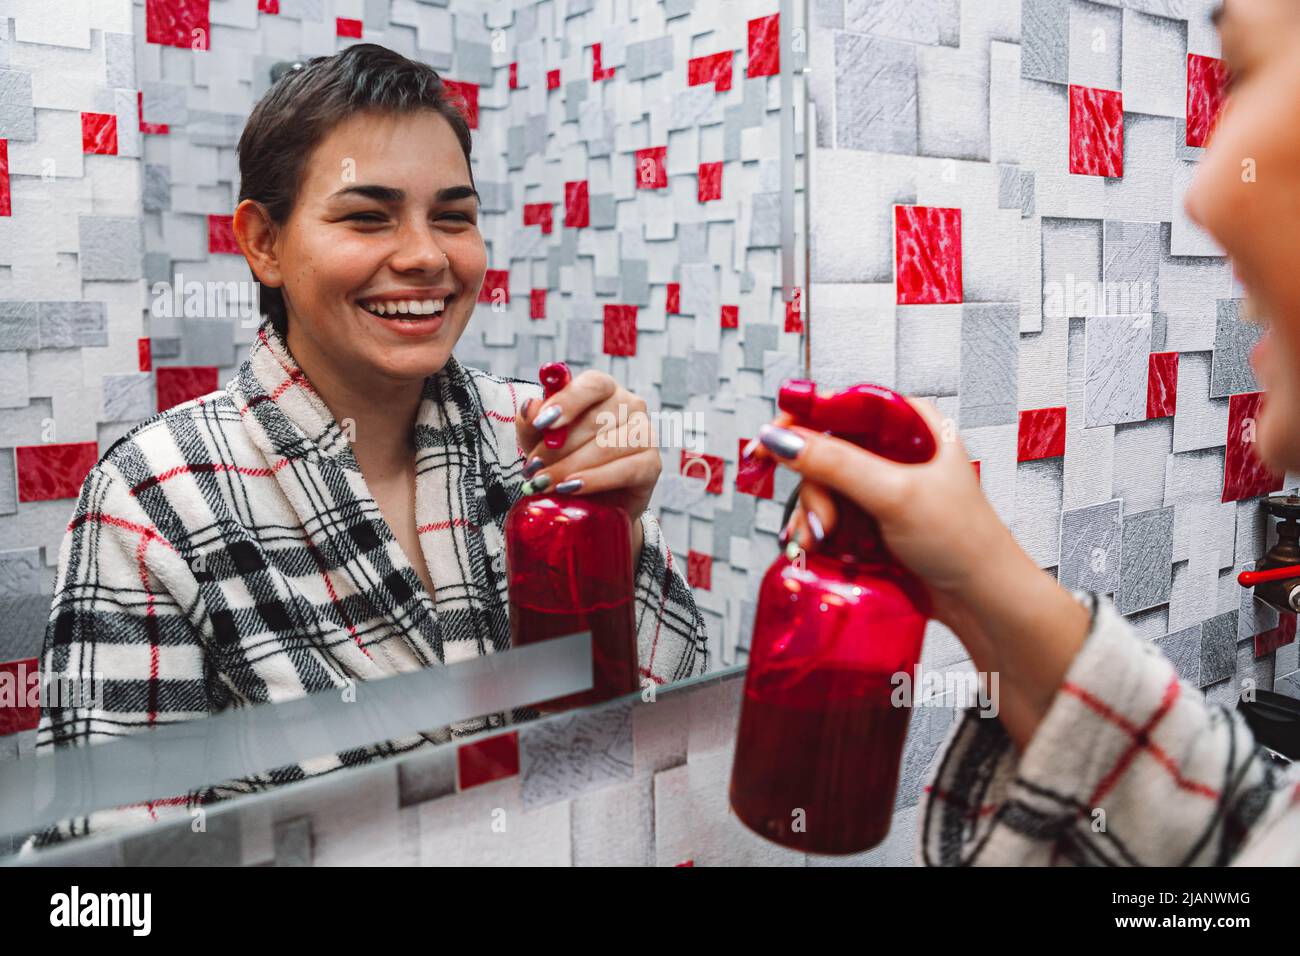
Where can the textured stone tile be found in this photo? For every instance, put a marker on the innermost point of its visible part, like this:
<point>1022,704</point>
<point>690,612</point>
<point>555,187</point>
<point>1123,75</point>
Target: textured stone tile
<point>1153,64</point>
<point>1045,40</point>
<point>1230,370</point>
<point>929,349</point>
<point>1218,648</point>
<point>110,247</point>
<point>1038,509</point>
<point>1095,32</point>
<point>65,325</point>
<point>426,777</point>
<point>990,339</point>
<point>128,396</point>
<point>920,21</point>
<point>1090,548</point>
<point>875,94</point>
<point>563,757</point>
<point>1131,265</point>
<point>1200,421</point>
<point>1146,560</point>
<point>1183,648</point>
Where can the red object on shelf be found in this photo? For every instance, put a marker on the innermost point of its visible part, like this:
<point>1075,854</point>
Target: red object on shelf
<point>486,760</point>
<point>820,739</point>
<point>569,560</point>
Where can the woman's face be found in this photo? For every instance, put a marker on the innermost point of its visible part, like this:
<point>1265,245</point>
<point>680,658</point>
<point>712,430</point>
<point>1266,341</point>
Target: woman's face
<point>1247,195</point>
<point>385,213</point>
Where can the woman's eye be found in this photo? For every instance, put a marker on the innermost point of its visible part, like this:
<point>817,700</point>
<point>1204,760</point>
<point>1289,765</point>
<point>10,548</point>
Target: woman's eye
<point>366,217</point>
<point>458,215</point>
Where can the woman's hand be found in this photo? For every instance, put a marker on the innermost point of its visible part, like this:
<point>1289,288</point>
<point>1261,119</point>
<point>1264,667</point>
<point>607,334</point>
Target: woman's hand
<point>609,446</point>
<point>1012,617</point>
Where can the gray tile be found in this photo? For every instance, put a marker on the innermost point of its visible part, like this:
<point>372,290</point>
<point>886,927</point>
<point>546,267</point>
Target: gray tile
<point>673,389</point>
<point>1230,371</point>
<point>1146,560</point>
<point>635,274</point>
<point>563,757</point>
<point>765,224</point>
<point>19,325</point>
<point>702,375</point>
<point>66,325</point>
<point>990,351</point>
<point>601,208</point>
<point>1027,194</point>
<point>1071,267</point>
<point>164,102</point>
<point>875,94</point>
<point>110,247</point>
<point>1045,40</point>
<point>25,617</point>
<point>760,337</point>
<point>157,187</point>
<point>293,842</point>
<point>1117,355</point>
<point>919,21</point>
<point>1183,648</point>
<point>1009,185</point>
<point>8,482</point>
<point>176,844</point>
<point>1090,547</point>
<point>1131,265</point>
<point>1218,648</point>
<point>22,573</point>
<point>13,380</point>
<point>16,88</point>
<point>426,777</point>
<point>209,341</point>
<point>128,397</point>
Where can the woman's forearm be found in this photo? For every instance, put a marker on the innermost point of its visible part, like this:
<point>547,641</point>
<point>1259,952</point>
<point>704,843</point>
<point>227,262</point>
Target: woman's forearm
<point>1030,629</point>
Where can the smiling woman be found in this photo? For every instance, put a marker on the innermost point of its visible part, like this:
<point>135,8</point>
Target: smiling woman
<point>335,514</point>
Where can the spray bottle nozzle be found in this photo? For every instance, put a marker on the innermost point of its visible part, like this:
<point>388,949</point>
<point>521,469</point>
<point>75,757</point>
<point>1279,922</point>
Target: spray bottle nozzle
<point>871,416</point>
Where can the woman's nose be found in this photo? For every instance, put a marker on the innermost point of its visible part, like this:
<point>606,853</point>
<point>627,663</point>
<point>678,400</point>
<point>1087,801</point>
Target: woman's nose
<point>419,250</point>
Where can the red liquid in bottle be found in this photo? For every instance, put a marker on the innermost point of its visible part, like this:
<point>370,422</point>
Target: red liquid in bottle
<point>570,567</point>
<point>823,750</point>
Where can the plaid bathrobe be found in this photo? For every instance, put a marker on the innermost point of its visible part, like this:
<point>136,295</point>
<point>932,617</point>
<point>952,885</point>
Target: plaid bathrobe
<point>227,552</point>
<point>1129,767</point>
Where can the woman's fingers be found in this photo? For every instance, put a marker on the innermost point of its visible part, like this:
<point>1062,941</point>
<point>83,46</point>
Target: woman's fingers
<point>819,514</point>
<point>875,484</point>
<point>626,441</point>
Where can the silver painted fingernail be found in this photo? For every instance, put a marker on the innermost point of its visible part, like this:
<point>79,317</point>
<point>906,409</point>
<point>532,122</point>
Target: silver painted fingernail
<point>781,441</point>
<point>750,448</point>
<point>533,467</point>
<point>815,525</point>
<point>570,486</point>
<point>548,418</point>
<point>784,536</point>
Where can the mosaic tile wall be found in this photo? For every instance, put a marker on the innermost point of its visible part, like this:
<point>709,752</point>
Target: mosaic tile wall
<point>628,155</point>
<point>997,222</point>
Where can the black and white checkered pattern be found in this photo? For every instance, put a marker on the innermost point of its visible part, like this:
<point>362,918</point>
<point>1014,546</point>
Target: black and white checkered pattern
<point>227,552</point>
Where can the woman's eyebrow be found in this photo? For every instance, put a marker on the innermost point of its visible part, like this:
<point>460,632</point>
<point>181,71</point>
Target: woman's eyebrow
<point>1216,15</point>
<point>391,194</point>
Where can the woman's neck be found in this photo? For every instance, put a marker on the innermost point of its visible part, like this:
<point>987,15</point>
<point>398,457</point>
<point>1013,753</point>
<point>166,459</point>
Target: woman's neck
<point>377,415</point>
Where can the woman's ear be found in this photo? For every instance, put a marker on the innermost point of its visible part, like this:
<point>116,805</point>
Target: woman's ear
<point>256,233</point>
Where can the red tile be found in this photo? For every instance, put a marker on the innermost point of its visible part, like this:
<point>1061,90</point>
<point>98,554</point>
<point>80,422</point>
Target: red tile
<point>154,128</point>
<point>764,46</point>
<point>699,570</point>
<point>715,69</point>
<point>512,79</point>
<point>221,235</point>
<point>486,760</point>
<point>1207,88</point>
<point>465,98</point>
<point>598,73</point>
<point>1042,434</point>
<point>20,704</point>
<point>6,206</point>
<point>1273,638</point>
<point>651,170</point>
<point>99,133</point>
<point>577,207</point>
<point>710,468</point>
<point>1162,384</point>
<point>268,6</point>
<point>975,463</point>
<point>1244,475</point>
<point>182,23</point>
<point>710,178</point>
<point>538,213</point>
<point>754,475</point>
<point>620,330</point>
<point>674,306</point>
<point>927,255</point>
<point>347,27</point>
<point>496,286</point>
<point>537,304</point>
<point>731,316</point>
<point>794,312</point>
<point>690,863</point>
<point>53,472</point>
<point>144,349</point>
<point>1096,132</point>
<point>180,383</point>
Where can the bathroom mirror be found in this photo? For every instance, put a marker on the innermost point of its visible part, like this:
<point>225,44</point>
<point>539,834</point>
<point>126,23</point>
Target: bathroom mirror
<point>640,171</point>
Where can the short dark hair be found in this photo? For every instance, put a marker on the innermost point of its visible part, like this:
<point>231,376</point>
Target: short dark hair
<point>305,104</point>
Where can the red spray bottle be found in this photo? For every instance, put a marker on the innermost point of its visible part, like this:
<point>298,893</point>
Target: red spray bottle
<point>820,739</point>
<point>569,561</point>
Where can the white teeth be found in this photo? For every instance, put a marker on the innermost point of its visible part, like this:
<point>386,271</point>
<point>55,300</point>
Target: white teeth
<point>405,307</point>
